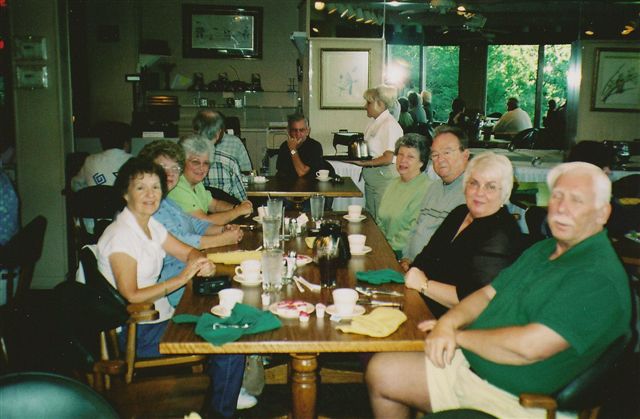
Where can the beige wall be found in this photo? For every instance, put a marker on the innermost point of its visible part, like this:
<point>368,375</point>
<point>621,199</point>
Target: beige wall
<point>600,126</point>
<point>326,121</point>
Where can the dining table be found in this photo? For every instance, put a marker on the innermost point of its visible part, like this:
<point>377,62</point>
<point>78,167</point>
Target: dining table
<point>302,340</point>
<point>303,187</point>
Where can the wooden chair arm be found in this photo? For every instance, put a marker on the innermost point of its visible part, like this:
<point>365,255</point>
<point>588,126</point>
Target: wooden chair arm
<point>541,401</point>
<point>141,312</point>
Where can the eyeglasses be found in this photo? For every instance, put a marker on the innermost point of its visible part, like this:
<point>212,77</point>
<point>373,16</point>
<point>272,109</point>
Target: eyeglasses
<point>445,154</point>
<point>488,188</point>
<point>198,163</point>
<point>172,169</point>
<point>297,129</point>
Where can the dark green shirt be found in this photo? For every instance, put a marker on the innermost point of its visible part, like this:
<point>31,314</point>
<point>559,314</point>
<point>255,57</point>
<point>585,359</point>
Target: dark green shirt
<point>583,296</point>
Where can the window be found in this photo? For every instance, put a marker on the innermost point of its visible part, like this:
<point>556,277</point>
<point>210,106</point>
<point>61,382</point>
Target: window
<point>556,67</point>
<point>441,78</point>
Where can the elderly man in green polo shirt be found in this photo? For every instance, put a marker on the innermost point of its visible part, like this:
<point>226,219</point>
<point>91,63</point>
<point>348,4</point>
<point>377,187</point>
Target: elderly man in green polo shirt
<point>528,331</point>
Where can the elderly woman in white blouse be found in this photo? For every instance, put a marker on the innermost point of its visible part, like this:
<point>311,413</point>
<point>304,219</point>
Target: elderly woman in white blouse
<point>381,135</point>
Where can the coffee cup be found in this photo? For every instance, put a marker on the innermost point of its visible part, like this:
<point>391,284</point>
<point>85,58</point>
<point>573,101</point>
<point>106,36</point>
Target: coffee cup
<point>345,300</point>
<point>249,270</point>
<point>259,179</point>
<point>354,211</point>
<point>229,297</point>
<point>356,242</point>
<point>322,174</point>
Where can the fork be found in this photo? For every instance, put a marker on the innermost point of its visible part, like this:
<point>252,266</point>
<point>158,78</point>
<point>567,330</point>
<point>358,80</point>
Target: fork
<point>371,292</point>
<point>217,326</point>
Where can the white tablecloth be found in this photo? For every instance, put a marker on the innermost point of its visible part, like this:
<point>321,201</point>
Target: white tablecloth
<point>353,171</point>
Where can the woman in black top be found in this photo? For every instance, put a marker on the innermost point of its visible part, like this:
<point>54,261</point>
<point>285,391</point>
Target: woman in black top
<point>474,243</point>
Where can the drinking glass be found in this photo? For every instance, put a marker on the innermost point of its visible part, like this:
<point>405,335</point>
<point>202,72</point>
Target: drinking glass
<point>272,270</point>
<point>271,232</point>
<point>328,264</point>
<point>274,207</point>
<point>317,207</point>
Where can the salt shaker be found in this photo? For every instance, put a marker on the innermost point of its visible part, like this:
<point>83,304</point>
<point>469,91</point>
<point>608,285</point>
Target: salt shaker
<point>293,228</point>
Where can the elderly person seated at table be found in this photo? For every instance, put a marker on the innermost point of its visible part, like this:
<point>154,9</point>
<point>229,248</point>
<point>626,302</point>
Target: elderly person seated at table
<point>380,135</point>
<point>474,243</point>
<point>190,193</point>
<point>415,108</point>
<point>130,254</point>
<point>541,322</point>
<point>513,121</point>
<point>188,229</point>
<point>402,201</point>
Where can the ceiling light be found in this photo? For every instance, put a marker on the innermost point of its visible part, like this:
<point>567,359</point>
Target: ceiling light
<point>343,10</point>
<point>314,29</point>
<point>331,8</point>
<point>589,32</point>
<point>319,5</point>
<point>369,17</point>
<point>359,15</point>
<point>394,3</point>
<point>628,28</point>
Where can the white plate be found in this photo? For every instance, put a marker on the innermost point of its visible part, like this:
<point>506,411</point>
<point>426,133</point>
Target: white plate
<point>357,311</point>
<point>308,308</point>
<point>261,181</point>
<point>356,219</point>
<point>364,251</point>
<point>302,260</point>
<point>220,311</point>
<point>324,179</point>
<point>240,279</point>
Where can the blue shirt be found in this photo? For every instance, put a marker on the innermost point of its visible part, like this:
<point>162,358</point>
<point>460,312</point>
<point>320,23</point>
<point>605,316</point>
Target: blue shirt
<point>184,227</point>
<point>8,209</point>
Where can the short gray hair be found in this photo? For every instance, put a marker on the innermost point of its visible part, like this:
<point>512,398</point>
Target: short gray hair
<point>196,145</point>
<point>600,180</point>
<point>208,123</point>
<point>384,93</point>
<point>417,141</point>
<point>490,162</point>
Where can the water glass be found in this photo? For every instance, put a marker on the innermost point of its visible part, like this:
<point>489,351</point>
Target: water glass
<point>271,232</point>
<point>272,270</point>
<point>274,207</point>
<point>328,265</point>
<point>317,207</point>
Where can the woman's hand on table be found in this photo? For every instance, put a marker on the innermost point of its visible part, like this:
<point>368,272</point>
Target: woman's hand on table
<point>231,235</point>
<point>415,279</point>
<point>198,266</point>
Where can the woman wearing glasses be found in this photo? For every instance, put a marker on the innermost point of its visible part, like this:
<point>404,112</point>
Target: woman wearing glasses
<point>474,242</point>
<point>190,193</point>
<point>188,229</point>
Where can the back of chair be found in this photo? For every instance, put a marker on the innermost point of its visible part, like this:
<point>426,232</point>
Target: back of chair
<point>99,203</point>
<point>38,395</point>
<point>589,389</point>
<point>96,280</point>
<point>23,251</point>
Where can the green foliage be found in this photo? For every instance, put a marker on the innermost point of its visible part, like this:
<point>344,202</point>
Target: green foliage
<point>441,71</point>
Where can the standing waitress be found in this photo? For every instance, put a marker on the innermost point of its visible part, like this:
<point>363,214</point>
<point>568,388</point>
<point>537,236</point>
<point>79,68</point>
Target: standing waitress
<point>381,135</point>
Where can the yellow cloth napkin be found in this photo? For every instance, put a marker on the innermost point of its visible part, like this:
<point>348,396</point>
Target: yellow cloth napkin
<point>380,323</point>
<point>309,241</point>
<point>234,258</point>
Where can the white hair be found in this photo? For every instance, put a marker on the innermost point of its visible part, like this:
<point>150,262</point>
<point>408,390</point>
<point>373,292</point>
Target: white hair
<point>196,145</point>
<point>600,181</point>
<point>490,162</point>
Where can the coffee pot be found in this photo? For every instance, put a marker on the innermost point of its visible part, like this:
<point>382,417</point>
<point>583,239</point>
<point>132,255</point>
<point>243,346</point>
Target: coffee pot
<point>358,149</point>
<point>332,243</point>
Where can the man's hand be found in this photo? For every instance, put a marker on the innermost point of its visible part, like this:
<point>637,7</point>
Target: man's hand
<point>405,264</point>
<point>293,143</point>
<point>415,279</point>
<point>244,208</point>
<point>440,344</point>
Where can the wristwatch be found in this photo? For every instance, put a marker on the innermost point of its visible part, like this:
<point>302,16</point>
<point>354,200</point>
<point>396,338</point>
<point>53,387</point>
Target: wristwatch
<point>293,152</point>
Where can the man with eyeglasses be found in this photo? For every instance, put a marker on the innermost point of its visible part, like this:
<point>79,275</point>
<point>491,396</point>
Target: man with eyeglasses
<point>449,156</point>
<point>300,155</point>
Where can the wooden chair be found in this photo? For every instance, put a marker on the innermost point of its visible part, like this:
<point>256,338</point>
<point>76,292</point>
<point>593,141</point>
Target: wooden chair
<point>97,203</point>
<point>109,348</point>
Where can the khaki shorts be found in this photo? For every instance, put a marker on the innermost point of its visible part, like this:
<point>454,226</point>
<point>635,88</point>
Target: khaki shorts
<point>456,386</point>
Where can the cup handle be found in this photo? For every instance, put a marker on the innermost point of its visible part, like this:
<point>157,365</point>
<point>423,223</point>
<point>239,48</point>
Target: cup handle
<point>318,173</point>
<point>238,270</point>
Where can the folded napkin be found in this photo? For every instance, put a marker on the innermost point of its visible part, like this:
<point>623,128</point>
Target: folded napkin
<point>380,323</point>
<point>309,241</point>
<point>383,276</point>
<point>242,314</point>
<point>234,258</point>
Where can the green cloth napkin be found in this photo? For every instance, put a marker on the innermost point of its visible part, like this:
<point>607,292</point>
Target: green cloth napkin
<point>259,321</point>
<point>383,276</point>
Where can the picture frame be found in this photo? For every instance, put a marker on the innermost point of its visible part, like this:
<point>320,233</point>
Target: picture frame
<point>344,77</point>
<point>616,80</point>
<point>221,31</point>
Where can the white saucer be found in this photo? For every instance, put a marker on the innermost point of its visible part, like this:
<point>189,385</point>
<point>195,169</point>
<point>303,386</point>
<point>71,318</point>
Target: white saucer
<point>260,181</point>
<point>357,311</point>
<point>356,219</point>
<point>364,251</point>
<point>240,279</point>
<point>257,219</point>
<point>220,311</point>
<point>324,179</point>
<point>302,260</point>
<point>308,308</point>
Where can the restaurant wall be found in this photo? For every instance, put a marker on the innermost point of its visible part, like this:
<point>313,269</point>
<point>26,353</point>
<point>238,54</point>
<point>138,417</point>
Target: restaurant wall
<point>600,126</point>
<point>325,121</point>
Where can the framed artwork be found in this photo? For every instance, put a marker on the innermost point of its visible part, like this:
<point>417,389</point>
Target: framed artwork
<point>616,80</point>
<point>221,31</point>
<point>344,77</point>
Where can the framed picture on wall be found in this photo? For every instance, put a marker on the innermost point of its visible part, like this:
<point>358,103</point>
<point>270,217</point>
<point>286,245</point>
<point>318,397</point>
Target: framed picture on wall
<point>344,77</point>
<point>221,31</point>
<point>616,80</point>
